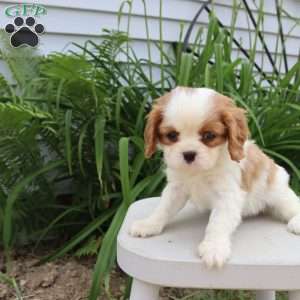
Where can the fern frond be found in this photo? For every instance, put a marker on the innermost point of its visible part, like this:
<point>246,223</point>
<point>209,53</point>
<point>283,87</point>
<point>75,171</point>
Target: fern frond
<point>89,248</point>
<point>15,116</point>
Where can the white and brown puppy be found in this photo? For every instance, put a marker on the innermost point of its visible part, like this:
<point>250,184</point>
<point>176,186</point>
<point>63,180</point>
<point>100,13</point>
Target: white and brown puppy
<point>210,162</point>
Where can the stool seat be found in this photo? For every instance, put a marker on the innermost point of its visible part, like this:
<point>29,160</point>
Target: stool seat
<point>265,256</point>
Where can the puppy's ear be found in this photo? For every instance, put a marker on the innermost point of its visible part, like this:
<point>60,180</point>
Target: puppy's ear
<point>235,120</point>
<point>154,119</point>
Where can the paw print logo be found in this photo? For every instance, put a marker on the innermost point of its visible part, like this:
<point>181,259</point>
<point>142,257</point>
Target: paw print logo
<point>24,34</point>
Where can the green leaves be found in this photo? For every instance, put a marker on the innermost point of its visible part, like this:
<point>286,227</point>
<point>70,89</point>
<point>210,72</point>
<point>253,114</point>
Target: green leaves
<point>219,67</point>
<point>245,79</point>
<point>108,247</point>
<point>15,116</point>
<point>15,192</point>
<point>130,192</point>
<point>107,252</point>
<point>124,170</point>
<point>185,69</point>
<point>99,144</point>
<point>80,236</point>
<point>12,283</point>
<point>82,136</point>
<point>78,108</point>
<point>68,142</point>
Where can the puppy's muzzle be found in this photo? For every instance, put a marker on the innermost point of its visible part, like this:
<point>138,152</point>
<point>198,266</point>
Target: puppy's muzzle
<point>189,156</point>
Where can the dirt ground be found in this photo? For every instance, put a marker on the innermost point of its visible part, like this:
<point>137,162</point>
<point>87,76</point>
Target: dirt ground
<point>68,278</point>
<point>64,279</point>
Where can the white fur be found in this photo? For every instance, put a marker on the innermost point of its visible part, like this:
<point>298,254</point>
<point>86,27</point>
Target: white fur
<point>212,182</point>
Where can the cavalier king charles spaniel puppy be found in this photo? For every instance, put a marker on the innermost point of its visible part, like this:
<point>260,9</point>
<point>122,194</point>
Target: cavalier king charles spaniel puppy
<point>211,162</point>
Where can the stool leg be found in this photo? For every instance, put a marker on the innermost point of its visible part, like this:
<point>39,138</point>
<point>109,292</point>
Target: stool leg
<point>141,290</point>
<point>294,295</point>
<point>265,295</point>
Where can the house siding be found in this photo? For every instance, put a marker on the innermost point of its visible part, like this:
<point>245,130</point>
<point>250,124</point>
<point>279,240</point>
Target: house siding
<point>80,20</point>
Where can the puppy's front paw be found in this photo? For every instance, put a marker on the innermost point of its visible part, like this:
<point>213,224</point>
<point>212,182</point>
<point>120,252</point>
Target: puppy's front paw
<point>144,228</point>
<point>214,253</point>
<point>294,225</point>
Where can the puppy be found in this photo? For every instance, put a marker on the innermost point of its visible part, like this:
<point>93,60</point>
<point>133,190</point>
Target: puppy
<point>211,162</point>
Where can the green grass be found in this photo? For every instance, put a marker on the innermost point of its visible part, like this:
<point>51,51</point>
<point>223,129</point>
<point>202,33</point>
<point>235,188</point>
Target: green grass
<point>11,282</point>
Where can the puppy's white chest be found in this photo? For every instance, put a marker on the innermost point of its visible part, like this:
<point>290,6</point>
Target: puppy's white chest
<point>203,193</point>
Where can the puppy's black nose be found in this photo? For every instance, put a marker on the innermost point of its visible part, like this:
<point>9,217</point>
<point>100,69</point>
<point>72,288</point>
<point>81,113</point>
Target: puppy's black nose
<point>189,156</point>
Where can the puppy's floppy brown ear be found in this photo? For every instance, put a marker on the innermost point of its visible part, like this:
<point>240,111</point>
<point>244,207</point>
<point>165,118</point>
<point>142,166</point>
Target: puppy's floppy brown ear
<point>236,122</point>
<point>154,119</point>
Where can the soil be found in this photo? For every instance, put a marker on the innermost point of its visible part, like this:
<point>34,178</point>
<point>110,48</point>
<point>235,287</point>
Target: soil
<point>64,279</point>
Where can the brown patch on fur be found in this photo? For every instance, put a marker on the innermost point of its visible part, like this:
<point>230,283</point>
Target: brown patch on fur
<point>154,119</point>
<point>236,123</point>
<point>272,172</point>
<point>255,164</point>
<point>215,126</point>
<point>163,134</point>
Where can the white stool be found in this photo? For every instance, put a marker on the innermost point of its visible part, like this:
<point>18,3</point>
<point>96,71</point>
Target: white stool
<point>265,256</point>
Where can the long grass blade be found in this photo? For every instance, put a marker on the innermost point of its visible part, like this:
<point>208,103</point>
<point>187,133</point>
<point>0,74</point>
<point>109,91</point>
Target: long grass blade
<point>124,170</point>
<point>12,283</point>
<point>68,141</point>
<point>219,67</point>
<point>80,147</point>
<point>99,145</point>
<point>185,69</point>
<point>107,248</point>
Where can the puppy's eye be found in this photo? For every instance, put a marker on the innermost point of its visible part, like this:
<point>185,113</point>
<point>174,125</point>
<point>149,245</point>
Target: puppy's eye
<point>172,136</point>
<point>208,136</point>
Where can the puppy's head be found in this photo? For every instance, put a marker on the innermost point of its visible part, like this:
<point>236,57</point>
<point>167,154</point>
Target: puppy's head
<point>196,128</point>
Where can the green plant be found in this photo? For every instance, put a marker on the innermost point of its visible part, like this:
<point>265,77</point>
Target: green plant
<point>11,282</point>
<point>76,115</point>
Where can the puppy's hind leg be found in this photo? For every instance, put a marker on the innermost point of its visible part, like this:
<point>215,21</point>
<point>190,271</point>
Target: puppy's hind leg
<point>285,205</point>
